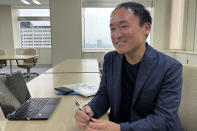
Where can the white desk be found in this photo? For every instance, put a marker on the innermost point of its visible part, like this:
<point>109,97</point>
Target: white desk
<point>76,66</point>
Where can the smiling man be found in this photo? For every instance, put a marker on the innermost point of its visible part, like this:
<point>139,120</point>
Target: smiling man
<point>140,86</point>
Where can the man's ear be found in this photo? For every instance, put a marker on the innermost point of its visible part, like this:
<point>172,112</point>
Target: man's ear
<point>147,28</point>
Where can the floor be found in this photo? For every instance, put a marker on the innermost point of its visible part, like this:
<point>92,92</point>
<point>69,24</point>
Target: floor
<point>38,69</point>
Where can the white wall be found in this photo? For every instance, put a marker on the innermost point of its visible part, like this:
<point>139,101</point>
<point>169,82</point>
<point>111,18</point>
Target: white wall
<point>161,24</point>
<point>190,32</point>
<point>178,24</point>
<point>66,29</point>
<point>6,29</point>
<point>16,28</point>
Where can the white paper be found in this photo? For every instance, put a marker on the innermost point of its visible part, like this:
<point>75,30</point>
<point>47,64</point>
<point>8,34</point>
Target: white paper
<point>83,89</point>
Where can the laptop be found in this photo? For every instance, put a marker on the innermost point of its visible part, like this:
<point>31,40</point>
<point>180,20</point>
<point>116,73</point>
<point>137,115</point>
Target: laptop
<point>16,101</point>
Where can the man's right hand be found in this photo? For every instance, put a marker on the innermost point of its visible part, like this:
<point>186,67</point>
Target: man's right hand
<point>81,117</point>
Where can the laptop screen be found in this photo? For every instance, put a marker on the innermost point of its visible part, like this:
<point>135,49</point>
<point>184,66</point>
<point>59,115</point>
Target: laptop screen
<point>13,92</point>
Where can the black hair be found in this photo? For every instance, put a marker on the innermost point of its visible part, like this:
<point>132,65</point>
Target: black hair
<point>138,10</point>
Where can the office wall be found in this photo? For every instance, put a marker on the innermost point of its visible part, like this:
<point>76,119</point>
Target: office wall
<point>190,34</point>
<point>16,28</point>
<point>66,29</point>
<point>161,24</point>
<point>178,24</point>
<point>6,29</point>
<point>171,29</point>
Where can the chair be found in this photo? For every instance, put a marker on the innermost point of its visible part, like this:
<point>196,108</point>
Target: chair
<point>188,106</point>
<point>29,63</point>
<point>3,63</point>
<point>101,61</point>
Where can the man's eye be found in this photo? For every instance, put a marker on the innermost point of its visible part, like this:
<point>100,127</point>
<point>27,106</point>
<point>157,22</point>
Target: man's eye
<point>112,29</point>
<point>124,26</point>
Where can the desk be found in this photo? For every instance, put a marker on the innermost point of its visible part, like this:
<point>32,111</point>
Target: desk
<point>15,57</point>
<point>62,119</point>
<point>76,66</point>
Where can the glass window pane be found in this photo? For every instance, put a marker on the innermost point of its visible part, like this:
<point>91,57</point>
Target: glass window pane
<point>35,34</point>
<point>97,32</point>
<point>34,12</point>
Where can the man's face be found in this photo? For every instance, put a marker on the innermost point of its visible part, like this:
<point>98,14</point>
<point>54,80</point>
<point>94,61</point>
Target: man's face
<point>126,34</point>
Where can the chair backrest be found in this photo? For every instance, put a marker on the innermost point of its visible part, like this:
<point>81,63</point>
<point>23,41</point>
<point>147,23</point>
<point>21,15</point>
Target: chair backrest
<point>101,61</point>
<point>3,52</point>
<point>30,51</point>
<point>188,106</point>
<point>3,63</point>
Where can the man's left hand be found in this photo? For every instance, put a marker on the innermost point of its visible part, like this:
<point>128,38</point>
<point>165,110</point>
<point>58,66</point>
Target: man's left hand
<point>102,125</point>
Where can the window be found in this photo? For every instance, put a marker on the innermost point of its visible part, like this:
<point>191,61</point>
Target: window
<point>96,28</point>
<point>35,28</point>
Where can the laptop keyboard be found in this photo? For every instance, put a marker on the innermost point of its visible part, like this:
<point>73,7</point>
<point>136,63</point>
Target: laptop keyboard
<point>32,107</point>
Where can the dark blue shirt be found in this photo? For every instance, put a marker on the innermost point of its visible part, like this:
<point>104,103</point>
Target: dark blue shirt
<point>129,76</point>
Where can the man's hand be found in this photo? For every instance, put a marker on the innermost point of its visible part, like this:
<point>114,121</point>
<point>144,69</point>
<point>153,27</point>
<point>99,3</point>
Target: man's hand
<point>102,125</point>
<point>81,117</point>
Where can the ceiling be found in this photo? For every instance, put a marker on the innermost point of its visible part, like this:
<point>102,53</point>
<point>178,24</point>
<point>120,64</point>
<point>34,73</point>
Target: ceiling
<point>19,4</point>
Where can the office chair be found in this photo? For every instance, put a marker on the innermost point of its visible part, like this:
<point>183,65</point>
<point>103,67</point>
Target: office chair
<point>101,61</point>
<point>3,63</point>
<point>29,63</point>
<point>188,106</point>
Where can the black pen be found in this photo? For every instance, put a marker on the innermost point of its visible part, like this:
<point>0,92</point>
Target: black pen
<point>80,108</point>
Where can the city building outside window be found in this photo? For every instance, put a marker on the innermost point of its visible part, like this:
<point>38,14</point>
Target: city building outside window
<point>35,34</point>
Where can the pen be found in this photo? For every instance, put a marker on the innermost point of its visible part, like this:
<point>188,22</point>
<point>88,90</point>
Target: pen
<point>80,108</point>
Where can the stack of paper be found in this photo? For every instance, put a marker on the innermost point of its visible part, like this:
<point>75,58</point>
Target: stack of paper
<point>83,89</point>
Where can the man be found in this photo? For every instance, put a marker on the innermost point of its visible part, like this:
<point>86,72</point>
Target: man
<point>140,86</point>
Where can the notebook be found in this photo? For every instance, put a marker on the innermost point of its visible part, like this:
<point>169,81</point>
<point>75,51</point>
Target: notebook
<point>16,101</point>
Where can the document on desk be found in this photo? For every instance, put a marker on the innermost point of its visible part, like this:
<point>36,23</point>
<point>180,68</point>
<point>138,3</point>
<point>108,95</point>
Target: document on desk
<point>83,89</point>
